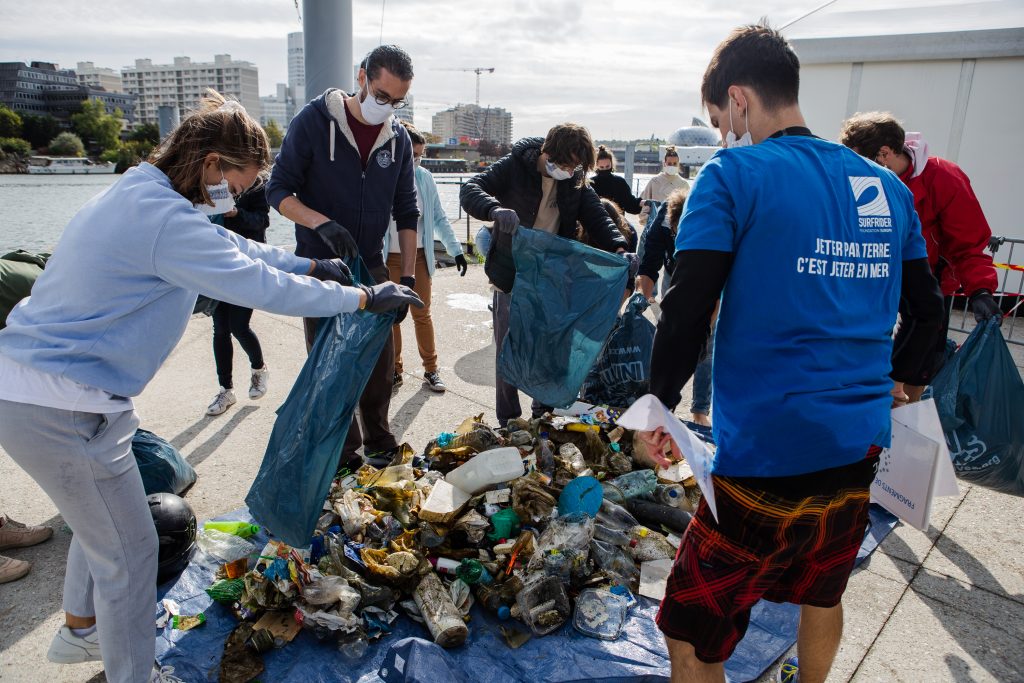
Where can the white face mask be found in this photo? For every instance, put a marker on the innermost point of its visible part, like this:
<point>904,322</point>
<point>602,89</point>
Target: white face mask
<point>555,172</point>
<point>374,113</point>
<point>672,170</point>
<point>416,161</point>
<point>223,200</point>
<point>730,137</point>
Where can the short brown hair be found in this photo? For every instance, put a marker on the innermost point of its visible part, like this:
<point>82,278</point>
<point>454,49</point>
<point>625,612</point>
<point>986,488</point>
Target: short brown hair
<point>603,153</point>
<point>570,143</point>
<point>758,57</point>
<point>867,132</point>
<point>217,126</point>
<point>414,134</point>
<point>676,201</point>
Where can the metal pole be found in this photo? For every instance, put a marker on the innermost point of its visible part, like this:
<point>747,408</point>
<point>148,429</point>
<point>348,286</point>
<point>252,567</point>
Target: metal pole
<point>630,160</point>
<point>327,38</point>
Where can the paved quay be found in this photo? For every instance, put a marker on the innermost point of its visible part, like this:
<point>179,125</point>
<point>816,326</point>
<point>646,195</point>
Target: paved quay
<point>946,605</point>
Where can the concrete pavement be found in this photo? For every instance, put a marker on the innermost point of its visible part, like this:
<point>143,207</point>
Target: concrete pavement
<point>947,605</point>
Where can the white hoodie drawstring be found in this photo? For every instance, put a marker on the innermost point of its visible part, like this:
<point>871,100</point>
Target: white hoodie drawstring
<point>332,124</point>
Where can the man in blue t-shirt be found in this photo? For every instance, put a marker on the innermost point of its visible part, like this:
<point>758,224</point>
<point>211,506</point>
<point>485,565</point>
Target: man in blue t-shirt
<point>810,248</point>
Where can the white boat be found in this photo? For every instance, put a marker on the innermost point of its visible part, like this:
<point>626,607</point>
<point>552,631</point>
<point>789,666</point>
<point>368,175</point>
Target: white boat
<point>67,166</point>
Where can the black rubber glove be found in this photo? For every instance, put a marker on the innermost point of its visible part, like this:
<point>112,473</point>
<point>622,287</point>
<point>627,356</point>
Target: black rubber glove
<point>505,220</point>
<point>461,265</point>
<point>410,282</point>
<point>331,269</point>
<point>338,239</point>
<point>984,306</point>
<point>389,296</point>
<point>634,264</point>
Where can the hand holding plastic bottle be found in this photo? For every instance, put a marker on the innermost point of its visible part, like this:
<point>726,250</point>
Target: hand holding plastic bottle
<point>656,442</point>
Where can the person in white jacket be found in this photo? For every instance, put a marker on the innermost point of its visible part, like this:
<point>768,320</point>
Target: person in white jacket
<point>111,305</point>
<point>432,222</point>
<point>662,185</point>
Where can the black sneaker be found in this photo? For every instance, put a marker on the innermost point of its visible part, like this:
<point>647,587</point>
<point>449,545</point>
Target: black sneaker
<point>380,459</point>
<point>396,382</point>
<point>433,382</point>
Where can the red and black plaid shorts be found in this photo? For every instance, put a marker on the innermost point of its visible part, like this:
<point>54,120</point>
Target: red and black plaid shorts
<point>785,539</point>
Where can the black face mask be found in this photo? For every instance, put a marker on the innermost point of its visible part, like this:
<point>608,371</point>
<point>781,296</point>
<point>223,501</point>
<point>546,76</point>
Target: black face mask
<point>604,170</point>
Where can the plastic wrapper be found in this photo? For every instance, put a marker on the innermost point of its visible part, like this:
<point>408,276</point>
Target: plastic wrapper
<point>328,590</point>
<point>569,464</point>
<point>391,566</point>
<point>224,547</point>
<point>332,620</point>
<point>570,535</point>
<point>474,525</point>
<point>565,301</point>
<point>462,596</point>
<point>650,545</point>
<point>305,445</point>
<point>530,500</point>
<point>356,511</point>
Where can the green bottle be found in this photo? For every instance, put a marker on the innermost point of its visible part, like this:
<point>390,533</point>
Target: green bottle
<point>473,572</point>
<point>241,529</point>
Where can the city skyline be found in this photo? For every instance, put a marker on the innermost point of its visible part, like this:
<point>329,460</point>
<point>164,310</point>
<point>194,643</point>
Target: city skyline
<point>625,70</point>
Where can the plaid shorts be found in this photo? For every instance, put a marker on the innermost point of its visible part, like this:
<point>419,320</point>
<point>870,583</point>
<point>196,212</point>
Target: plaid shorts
<point>785,539</point>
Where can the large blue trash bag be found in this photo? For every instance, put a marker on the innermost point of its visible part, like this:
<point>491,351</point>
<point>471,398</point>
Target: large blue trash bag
<point>162,468</point>
<point>622,373</point>
<point>305,444</point>
<point>979,395</point>
<point>564,303</point>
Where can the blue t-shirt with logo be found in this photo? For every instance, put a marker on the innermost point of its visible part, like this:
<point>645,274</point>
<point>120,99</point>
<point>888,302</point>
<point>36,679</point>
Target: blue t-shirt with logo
<point>803,344</point>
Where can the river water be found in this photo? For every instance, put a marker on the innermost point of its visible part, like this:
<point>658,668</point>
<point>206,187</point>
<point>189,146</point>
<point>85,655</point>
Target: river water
<point>35,209</point>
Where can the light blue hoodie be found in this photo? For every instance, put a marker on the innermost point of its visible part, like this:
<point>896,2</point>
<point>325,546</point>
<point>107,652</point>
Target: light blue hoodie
<point>120,287</point>
<point>432,218</point>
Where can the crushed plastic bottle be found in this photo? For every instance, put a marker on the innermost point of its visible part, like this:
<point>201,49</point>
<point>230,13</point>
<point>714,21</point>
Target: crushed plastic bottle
<point>615,561</point>
<point>615,516</point>
<point>473,572</point>
<point>613,536</point>
<point>628,486</point>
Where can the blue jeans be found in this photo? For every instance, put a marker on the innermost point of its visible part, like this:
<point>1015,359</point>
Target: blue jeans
<point>702,380</point>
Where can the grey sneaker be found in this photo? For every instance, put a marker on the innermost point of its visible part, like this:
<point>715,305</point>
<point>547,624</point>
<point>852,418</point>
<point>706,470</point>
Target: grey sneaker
<point>258,385</point>
<point>224,400</point>
<point>12,569</point>
<point>67,648</point>
<point>17,535</point>
<point>433,382</point>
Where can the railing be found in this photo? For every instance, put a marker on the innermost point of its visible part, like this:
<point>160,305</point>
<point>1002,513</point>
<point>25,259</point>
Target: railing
<point>1008,257</point>
<point>459,181</point>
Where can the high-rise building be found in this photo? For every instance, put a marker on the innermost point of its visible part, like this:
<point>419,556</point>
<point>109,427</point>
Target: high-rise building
<point>99,77</point>
<point>297,68</point>
<point>43,88</point>
<point>405,113</point>
<point>278,107</point>
<point>470,120</point>
<point>182,83</point>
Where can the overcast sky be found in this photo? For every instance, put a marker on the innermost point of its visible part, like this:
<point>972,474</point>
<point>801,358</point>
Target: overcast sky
<point>624,68</point>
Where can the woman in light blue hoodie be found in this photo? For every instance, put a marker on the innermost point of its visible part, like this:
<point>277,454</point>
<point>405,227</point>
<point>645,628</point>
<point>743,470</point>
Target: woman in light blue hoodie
<point>111,305</point>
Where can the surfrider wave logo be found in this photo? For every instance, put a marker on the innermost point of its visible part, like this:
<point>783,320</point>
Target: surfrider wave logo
<point>384,158</point>
<point>872,206</point>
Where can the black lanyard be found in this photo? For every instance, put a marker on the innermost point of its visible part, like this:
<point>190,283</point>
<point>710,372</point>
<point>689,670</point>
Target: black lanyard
<point>793,130</point>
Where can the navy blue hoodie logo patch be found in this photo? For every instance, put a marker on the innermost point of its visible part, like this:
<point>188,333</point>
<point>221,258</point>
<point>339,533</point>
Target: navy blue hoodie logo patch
<point>384,158</point>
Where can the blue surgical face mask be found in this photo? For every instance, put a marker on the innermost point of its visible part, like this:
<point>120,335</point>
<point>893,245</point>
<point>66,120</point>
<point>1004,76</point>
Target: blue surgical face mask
<point>730,137</point>
<point>220,194</point>
<point>555,172</point>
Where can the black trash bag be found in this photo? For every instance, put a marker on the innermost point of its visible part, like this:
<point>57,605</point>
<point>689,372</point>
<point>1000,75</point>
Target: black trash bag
<point>309,433</point>
<point>622,373</point>
<point>162,467</point>
<point>979,396</point>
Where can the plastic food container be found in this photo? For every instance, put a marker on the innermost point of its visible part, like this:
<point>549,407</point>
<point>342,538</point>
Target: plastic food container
<point>600,613</point>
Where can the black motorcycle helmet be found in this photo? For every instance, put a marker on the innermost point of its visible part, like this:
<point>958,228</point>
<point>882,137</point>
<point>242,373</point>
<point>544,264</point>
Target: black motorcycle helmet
<point>176,527</point>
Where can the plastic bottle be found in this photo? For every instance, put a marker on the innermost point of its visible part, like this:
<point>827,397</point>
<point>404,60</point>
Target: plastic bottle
<point>486,469</point>
<point>615,561</point>
<point>657,515</point>
<point>670,494</point>
<point>612,536</point>
<point>615,516</point>
<point>439,612</point>
<point>506,524</point>
<point>545,455</point>
<point>444,565</point>
<point>240,529</point>
<point>630,485</point>
<point>473,572</point>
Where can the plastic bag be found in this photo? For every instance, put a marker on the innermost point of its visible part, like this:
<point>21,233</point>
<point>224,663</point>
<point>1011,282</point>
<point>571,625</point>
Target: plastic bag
<point>305,445</point>
<point>564,303</point>
<point>622,373</point>
<point>162,468</point>
<point>979,396</point>
<point>222,546</point>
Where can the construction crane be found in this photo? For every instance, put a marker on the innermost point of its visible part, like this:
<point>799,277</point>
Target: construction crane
<point>477,70</point>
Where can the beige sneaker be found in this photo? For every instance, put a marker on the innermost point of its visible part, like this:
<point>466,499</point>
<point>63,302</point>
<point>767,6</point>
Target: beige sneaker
<point>12,569</point>
<point>17,535</point>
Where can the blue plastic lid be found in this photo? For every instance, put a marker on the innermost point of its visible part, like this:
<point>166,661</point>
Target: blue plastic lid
<point>504,612</point>
<point>582,494</point>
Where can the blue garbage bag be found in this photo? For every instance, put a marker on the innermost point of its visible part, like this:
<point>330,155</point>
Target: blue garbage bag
<point>622,373</point>
<point>979,395</point>
<point>564,303</point>
<point>305,445</point>
<point>162,468</point>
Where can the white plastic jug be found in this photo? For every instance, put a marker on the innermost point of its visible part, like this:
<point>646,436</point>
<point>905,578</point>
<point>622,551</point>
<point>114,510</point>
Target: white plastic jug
<point>487,469</point>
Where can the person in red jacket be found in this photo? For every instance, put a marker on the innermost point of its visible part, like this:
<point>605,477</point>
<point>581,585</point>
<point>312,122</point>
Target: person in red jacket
<point>952,222</point>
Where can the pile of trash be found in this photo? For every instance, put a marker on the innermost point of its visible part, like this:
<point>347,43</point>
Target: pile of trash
<point>547,521</point>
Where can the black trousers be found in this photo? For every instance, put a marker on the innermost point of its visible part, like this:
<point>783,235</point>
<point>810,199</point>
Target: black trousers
<point>230,320</point>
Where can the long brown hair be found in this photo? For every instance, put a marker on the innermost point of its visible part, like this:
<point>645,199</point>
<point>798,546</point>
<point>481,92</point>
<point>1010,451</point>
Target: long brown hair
<point>216,125</point>
<point>603,153</point>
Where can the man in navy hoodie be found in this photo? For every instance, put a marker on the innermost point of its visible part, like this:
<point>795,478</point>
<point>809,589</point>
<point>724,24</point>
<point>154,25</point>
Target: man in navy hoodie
<point>345,168</point>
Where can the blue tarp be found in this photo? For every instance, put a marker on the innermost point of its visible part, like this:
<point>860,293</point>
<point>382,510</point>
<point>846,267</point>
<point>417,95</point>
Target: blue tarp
<point>639,655</point>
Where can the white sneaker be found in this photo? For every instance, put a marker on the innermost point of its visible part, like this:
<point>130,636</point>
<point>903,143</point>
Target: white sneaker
<point>258,386</point>
<point>163,675</point>
<point>224,400</point>
<point>67,648</point>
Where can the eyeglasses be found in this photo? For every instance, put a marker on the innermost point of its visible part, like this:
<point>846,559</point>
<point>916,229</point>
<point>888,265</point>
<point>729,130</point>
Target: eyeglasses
<point>385,99</point>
